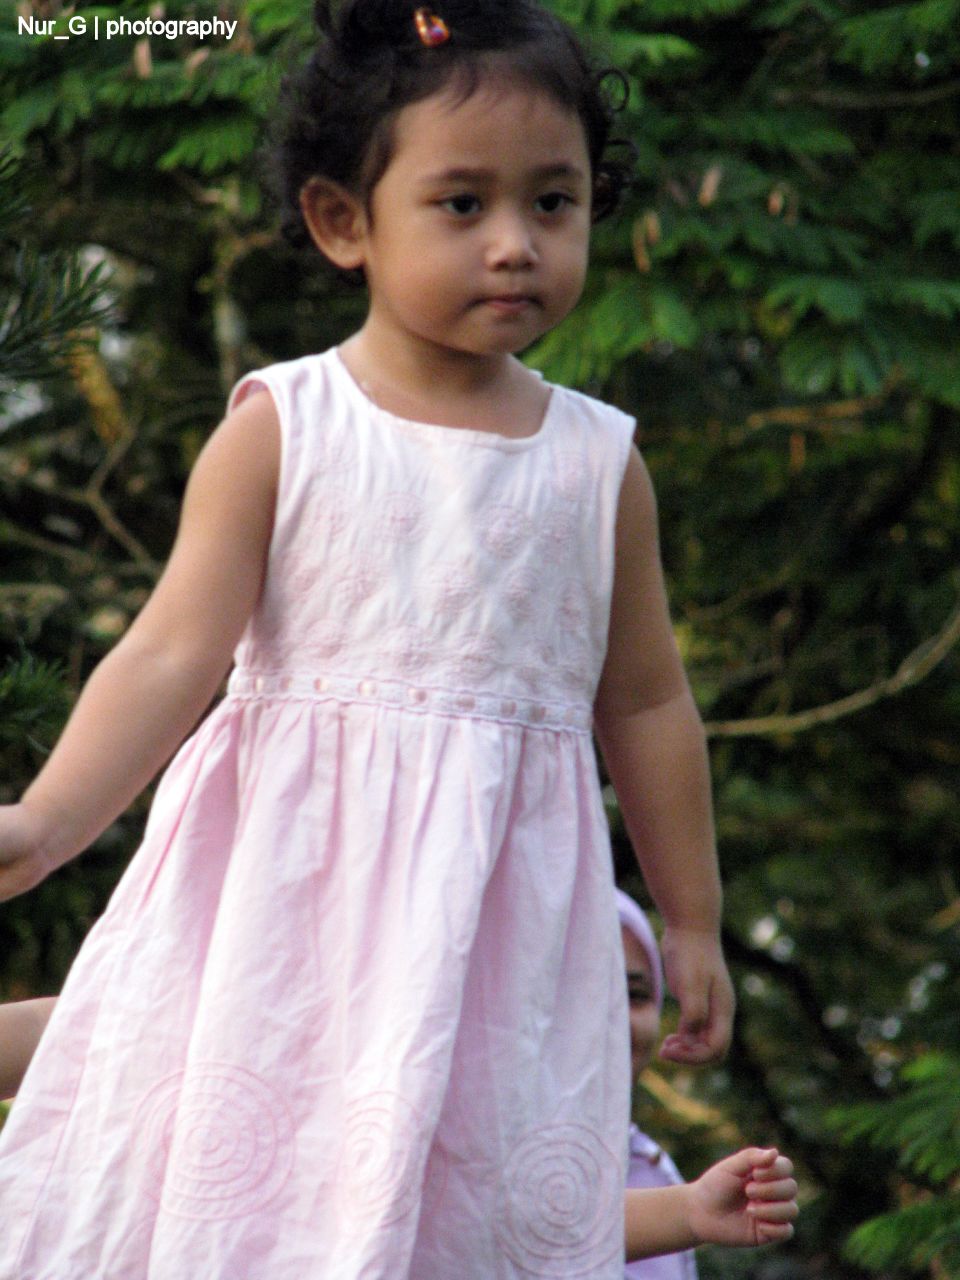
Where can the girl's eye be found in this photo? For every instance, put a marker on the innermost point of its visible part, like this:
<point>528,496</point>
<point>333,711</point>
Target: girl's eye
<point>553,201</point>
<point>462,205</point>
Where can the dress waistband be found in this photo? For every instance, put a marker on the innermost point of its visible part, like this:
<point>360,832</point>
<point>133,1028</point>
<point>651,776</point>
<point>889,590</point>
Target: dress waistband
<point>302,686</point>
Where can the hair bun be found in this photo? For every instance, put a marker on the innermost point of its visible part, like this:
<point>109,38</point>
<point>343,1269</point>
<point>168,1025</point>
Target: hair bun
<point>364,27</point>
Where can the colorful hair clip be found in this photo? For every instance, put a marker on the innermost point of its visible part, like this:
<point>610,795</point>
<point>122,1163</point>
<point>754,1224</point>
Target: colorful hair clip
<point>431,29</point>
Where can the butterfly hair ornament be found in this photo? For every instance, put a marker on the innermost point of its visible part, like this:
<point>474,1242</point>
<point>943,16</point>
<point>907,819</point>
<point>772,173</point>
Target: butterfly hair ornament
<point>433,31</point>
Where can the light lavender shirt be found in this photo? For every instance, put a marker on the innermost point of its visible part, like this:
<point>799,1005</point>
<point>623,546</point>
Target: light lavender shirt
<point>650,1166</point>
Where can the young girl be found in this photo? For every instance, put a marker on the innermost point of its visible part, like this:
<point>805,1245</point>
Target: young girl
<point>359,997</point>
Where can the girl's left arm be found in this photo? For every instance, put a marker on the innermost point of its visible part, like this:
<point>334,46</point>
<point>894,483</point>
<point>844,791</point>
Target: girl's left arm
<point>654,747</point>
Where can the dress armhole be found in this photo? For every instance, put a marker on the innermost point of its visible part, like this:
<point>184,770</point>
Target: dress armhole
<point>246,387</point>
<point>249,385</point>
<point>626,437</point>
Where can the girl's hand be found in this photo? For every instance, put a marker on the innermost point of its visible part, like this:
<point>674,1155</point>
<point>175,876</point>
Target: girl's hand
<point>697,975</point>
<point>748,1199</point>
<point>23,862</point>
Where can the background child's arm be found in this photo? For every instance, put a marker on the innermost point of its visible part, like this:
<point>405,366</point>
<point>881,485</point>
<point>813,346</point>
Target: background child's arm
<point>149,692</point>
<point>21,1026</point>
<point>653,744</point>
<point>748,1199</point>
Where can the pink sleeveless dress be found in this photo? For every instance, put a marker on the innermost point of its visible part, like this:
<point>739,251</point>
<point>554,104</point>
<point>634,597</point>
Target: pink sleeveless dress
<point>356,1010</point>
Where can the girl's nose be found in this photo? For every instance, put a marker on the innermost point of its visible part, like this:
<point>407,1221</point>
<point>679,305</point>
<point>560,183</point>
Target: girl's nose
<point>512,244</point>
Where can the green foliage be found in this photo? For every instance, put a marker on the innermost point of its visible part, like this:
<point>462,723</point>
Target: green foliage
<point>886,39</point>
<point>56,296</point>
<point>916,1237</point>
<point>212,146</point>
<point>46,299</point>
<point>33,704</point>
<point>785,140</point>
<point>921,1124</point>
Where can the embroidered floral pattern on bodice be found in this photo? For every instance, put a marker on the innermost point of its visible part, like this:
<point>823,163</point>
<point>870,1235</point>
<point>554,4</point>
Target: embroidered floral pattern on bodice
<point>475,575</point>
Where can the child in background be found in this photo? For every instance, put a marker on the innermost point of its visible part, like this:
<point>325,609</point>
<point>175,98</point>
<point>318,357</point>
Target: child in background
<point>359,996</point>
<point>650,1165</point>
<point>761,1178</point>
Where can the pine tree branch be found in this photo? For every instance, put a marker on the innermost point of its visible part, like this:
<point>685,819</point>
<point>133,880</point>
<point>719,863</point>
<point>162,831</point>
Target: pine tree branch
<point>915,667</point>
<point>31,597</point>
<point>120,534</point>
<point>868,101</point>
<point>691,1111</point>
<point>81,561</point>
<point>94,501</point>
<point>89,373</point>
<point>93,495</point>
<point>824,416</point>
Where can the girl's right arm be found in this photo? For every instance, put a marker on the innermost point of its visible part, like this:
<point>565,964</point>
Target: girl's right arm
<point>21,1025</point>
<point>151,689</point>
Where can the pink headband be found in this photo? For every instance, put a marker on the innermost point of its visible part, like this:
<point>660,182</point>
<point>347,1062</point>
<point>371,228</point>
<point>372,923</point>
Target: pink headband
<point>633,918</point>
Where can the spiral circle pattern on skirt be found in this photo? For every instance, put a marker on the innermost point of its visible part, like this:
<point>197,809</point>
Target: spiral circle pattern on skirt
<point>217,1141</point>
<point>381,1160</point>
<point>560,1202</point>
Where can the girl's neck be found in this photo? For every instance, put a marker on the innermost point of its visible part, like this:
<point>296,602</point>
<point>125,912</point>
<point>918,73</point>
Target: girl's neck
<point>493,393</point>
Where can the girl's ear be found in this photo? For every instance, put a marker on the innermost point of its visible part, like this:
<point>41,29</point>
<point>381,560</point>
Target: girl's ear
<point>336,220</point>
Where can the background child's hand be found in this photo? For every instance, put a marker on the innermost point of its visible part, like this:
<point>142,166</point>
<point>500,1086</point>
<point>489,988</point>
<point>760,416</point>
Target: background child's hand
<point>22,1023</point>
<point>748,1199</point>
<point>697,975</point>
<point>22,862</point>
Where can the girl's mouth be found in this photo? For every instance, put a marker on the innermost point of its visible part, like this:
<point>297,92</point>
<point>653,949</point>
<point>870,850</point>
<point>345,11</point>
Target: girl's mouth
<point>510,304</point>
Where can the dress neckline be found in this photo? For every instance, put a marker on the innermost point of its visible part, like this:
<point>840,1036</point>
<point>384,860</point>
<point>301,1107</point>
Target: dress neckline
<point>436,430</point>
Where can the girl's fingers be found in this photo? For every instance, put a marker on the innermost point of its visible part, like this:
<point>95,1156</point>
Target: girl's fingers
<point>752,1163</point>
<point>782,1189</point>
<point>774,1170</point>
<point>769,1233</point>
<point>772,1201</point>
<point>775,1211</point>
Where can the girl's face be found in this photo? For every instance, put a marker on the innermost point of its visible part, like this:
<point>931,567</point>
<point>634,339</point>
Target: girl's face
<point>644,1013</point>
<point>477,234</point>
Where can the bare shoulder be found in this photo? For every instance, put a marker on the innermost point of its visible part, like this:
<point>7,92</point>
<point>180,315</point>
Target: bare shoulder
<point>232,490</point>
<point>642,666</point>
<point>637,510</point>
<point>637,550</point>
<point>216,569</point>
<point>246,443</point>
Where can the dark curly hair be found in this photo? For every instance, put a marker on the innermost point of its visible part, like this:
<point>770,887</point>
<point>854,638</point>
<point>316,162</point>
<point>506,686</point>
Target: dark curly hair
<point>336,114</point>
